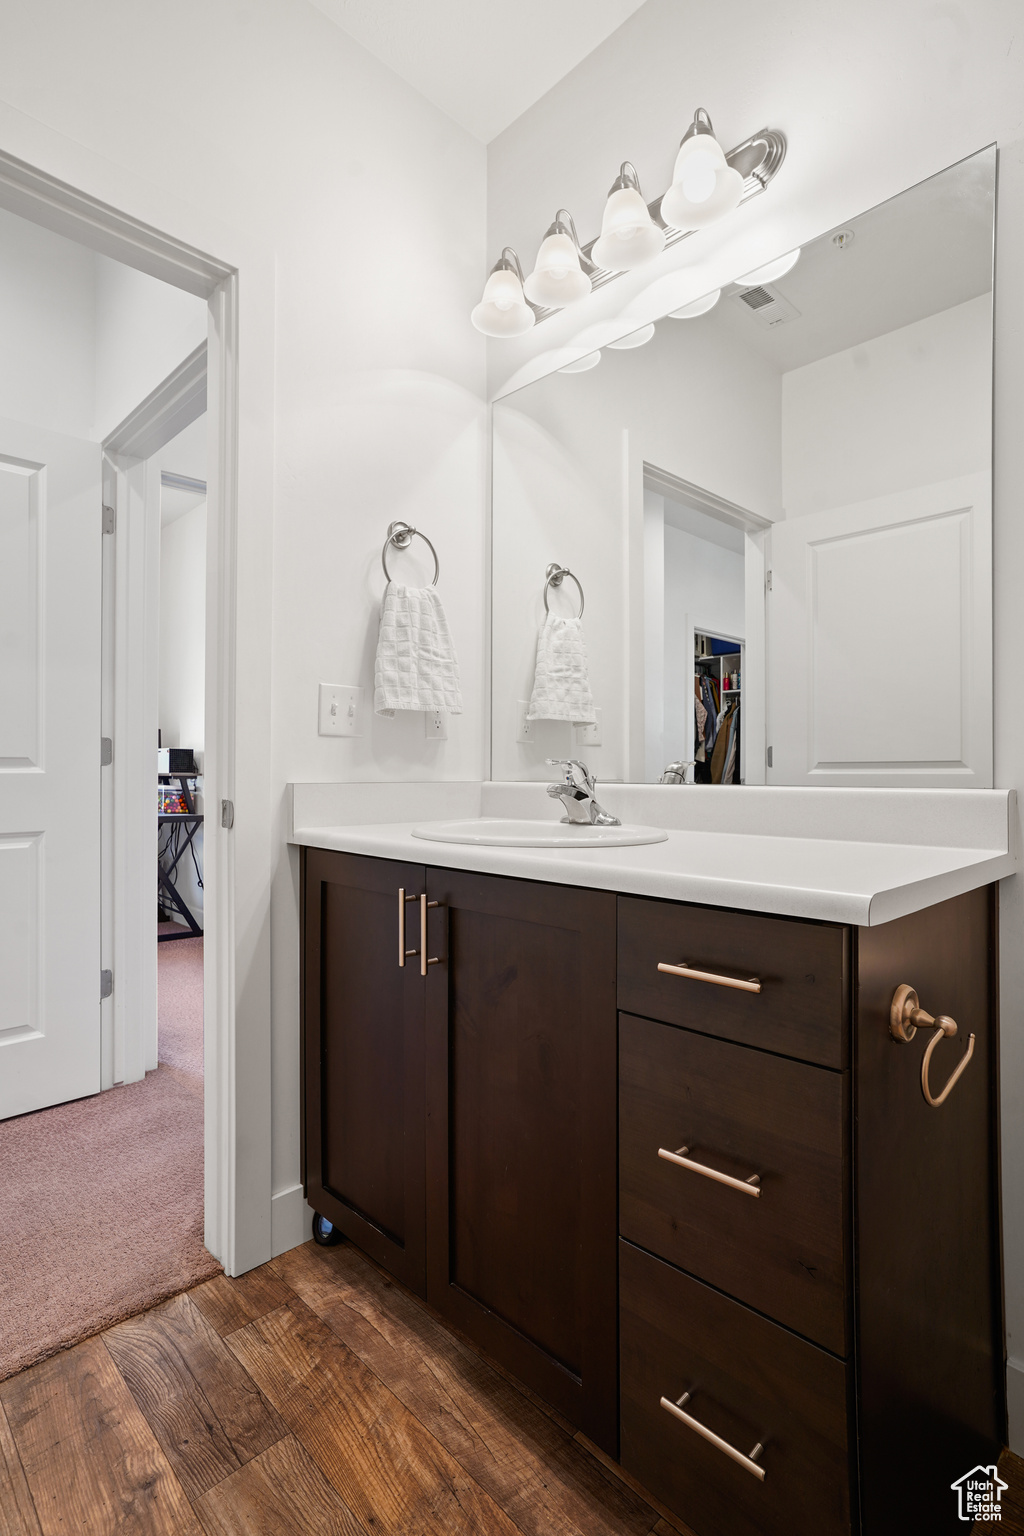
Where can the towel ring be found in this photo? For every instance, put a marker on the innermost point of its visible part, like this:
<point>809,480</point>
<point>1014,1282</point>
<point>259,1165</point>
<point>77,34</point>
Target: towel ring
<point>556,574</point>
<point>401,536</point>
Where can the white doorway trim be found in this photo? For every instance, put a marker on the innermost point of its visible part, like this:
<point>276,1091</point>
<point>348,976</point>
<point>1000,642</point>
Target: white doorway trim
<point>237,1091</point>
<point>131,604</point>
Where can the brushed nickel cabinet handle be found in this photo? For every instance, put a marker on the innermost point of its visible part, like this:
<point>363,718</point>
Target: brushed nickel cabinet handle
<point>906,1017</point>
<point>402,951</point>
<point>424,962</point>
<point>682,969</point>
<point>749,1462</point>
<point>751,1186</point>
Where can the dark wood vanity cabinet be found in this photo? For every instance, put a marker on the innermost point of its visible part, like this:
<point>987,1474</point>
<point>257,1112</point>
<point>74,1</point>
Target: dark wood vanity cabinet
<point>363,1062</point>
<point>719,1229</point>
<point>461,1127</point>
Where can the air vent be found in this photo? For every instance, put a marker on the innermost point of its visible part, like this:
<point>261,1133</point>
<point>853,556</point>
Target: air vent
<point>766,306</point>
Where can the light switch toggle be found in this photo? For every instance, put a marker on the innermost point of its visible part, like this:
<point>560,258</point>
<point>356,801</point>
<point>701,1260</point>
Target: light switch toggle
<point>341,709</point>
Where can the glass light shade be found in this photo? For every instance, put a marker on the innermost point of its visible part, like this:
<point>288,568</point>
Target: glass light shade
<point>557,278</point>
<point>698,307</point>
<point>771,270</point>
<point>629,237</point>
<point>503,311</point>
<point>582,364</point>
<point>704,186</point>
<point>637,339</point>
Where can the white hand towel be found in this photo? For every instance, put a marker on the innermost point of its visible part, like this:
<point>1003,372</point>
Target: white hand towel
<point>416,666</point>
<point>561,685</point>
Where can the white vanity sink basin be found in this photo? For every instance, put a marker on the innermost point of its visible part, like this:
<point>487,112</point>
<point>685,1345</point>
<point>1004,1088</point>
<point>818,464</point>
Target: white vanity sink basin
<point>504,832</point>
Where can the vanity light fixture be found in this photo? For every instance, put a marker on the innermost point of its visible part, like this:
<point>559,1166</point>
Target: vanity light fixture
<point>770,271</point>
<point>503,311</point>
<point>635,339</point>
<point>558,277</point>
<point>705,186</point>
<point>698,307</point>
<point>582,364</point>
<point>629,236</point>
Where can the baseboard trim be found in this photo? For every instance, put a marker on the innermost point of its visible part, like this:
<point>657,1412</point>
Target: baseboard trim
<point>291,1220</point>
<point>1015,1405</point>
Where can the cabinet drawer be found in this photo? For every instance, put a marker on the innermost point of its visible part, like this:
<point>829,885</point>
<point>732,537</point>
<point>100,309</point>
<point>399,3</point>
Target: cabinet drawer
<point>737,1112</point>
<point>802,969</point>
<point>750,1382</point>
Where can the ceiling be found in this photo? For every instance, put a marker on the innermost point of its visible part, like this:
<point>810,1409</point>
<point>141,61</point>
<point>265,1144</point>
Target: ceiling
<point>482,62</point>
<point>924,251</point>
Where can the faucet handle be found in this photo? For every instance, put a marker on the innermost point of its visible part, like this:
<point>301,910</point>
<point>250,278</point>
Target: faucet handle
<point>583,777</point>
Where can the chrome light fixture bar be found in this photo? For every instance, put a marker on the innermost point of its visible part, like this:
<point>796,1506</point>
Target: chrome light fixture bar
<point>757,159</point>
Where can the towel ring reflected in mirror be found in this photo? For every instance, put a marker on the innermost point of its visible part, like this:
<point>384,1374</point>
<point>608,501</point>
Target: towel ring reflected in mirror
<point>556,574</point>
<point>401,536</point>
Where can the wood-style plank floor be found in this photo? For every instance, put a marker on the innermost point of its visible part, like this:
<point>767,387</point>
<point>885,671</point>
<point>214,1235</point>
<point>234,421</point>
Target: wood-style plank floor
<point>311,1397</point>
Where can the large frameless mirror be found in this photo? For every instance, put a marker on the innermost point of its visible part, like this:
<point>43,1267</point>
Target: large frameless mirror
<point>776,510</point>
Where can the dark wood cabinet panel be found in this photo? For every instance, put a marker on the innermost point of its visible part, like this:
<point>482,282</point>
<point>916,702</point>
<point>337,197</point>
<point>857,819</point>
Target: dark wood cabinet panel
<point>521,1113</point>
<point>739,1112</point>
<point>803,968</point>
<point>929,1305</point>
<point>363,1071</point>
<point>751,1382</point>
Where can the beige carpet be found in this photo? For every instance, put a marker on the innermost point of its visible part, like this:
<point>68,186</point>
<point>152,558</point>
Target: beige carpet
<point>101,1200</point>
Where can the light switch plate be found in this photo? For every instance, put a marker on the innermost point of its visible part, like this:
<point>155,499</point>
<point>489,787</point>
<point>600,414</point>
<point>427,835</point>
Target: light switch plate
<point>587,735</point>
<point>435,724</point>
<point>341,710</point>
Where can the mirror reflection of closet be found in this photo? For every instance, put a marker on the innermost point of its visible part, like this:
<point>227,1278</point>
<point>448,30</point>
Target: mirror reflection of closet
<point>694,607</point>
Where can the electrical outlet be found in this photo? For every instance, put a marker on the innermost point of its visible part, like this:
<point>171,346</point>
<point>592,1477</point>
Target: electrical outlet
<point>341,710</point>
<point>525,729</point>
<point>587,735</point>
<point>435,723</point>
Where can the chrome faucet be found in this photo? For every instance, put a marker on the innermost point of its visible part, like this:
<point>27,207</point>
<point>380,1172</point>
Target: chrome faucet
<point>576,792</point>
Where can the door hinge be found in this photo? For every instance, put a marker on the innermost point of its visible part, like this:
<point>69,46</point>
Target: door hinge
<point>227,814</point>
<point>106,751</point>
<point>769,756</point>
<point>106,984</point>
<point>768,581</point>
<point>109,518</point>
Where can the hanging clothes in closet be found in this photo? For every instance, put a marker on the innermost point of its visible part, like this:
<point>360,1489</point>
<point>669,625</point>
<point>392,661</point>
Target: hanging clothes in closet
<point>725,759</point>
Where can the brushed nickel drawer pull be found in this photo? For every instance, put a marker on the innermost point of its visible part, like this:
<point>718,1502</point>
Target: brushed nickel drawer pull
<point>402,951</point>
<point>749,1462</point>
<point>751,1186</point>
<point>682,969</point>
<point>424,962</point>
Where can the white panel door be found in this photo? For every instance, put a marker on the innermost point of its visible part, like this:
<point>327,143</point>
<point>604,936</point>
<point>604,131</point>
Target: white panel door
<point>880,641</point>
<point>50,554</point>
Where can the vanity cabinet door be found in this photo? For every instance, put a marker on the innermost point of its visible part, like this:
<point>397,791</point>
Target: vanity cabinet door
<point>363,1058</point>
<point>521,1133</point>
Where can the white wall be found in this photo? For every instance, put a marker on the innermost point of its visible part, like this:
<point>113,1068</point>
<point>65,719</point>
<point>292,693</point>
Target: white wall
<point>183,629</point>
<point>183,658</point>
<point>873,98</point>
<point>908,408</point>
<point>85,338</point>
<point>144,329</point>
<point>47,328</point>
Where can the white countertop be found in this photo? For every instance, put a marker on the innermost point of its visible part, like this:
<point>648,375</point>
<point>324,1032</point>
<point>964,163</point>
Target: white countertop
<point>849,879</point>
